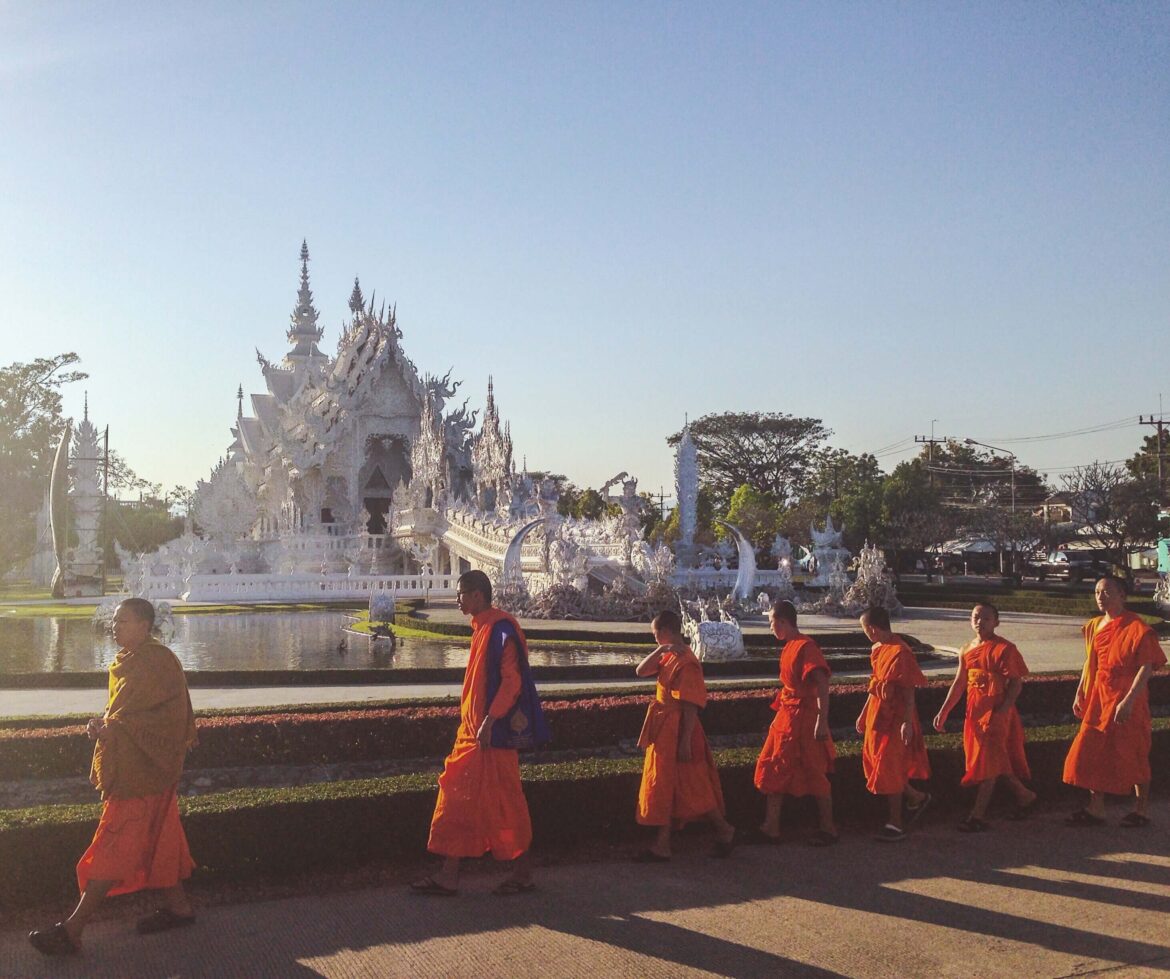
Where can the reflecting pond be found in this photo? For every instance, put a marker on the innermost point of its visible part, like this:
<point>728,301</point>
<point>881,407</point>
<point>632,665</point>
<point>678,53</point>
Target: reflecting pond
<point>258,641</point>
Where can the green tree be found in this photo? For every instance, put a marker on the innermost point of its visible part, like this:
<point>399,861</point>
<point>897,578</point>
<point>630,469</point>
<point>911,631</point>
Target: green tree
<point>1121,511</point>
<point>31,424</point>
<point>1145,461</point>
<point>849,487</point>
<point>913,515</point>
<point>757,514</point>
<point>769,451</point>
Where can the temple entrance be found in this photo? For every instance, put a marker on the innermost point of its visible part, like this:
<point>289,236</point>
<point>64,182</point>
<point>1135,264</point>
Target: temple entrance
<point>387,465</point>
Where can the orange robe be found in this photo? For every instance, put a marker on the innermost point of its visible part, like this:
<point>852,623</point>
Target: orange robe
<point>674,791</point>
<point>888,763</point>
<point>139,842</point>
<point>1106,756</point>
<point>481,805</point>
<point>993,744</point>
<point>792,760</point>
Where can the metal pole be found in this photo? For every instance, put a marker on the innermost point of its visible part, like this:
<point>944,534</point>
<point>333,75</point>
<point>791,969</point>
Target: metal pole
<point>105,504</point>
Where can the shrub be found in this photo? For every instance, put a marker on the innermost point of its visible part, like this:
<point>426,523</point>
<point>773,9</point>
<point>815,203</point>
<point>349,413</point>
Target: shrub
<point>295,738</point>
<point>275,832</point>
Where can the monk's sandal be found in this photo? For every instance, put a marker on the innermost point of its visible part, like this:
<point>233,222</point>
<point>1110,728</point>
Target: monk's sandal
<point>53,941</point>
<point>890,834</point>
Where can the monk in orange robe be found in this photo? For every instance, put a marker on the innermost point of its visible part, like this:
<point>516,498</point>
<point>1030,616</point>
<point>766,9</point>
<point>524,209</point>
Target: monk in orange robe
<point>481,805</point>
<point>142,740</point>
<point>992,672</point>
<point>893,750</point>
<point>680,783</point>
<point>798,752</point>
<point>1111,752</point>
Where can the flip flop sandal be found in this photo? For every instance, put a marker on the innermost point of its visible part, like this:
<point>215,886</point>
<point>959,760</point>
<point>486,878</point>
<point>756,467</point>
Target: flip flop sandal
<point>429,887</point>
<point>649,856</point>
<point>1134,820</point>
<point>1082,817</point>
<point>1021,813</point>
<point>914,813</point>
<point>164,919</point>
<point>510,887</point>
<point>53,941</point>
<point>759,838</point>
<point>721,850</point>
<point>973,824</point>
<point>823,838</point>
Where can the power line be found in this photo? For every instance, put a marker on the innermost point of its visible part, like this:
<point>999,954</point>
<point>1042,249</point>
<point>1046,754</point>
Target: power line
<point>1072,433</point>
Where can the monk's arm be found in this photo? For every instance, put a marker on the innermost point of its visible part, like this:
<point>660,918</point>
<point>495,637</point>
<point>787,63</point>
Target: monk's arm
<point>1087,674</point>
<point>505,697</point>
<point>649,666</point>
<point>1014,685</point>
<point>686,729</point>
<point>1125,706</point>
<point>821,728</point>
<point>860,725</point>
<point>908,708</point>
<point>953,695</point>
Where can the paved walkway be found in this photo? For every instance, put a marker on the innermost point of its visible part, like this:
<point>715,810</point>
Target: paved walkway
<point>1037,899</point>
<point>1049,643</point>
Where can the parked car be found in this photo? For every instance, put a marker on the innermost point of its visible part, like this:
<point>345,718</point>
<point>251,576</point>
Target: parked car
<point>1070,566</point>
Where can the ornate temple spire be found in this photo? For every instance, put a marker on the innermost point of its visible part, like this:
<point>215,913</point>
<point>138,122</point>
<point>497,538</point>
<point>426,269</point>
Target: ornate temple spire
<point>303,332</point>
<point>356,300</point>
<point>490,409</point>
<point>85,410</point>
<point>240,401</point>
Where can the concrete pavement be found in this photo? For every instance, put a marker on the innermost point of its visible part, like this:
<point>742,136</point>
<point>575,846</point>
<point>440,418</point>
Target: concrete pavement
<point>1027,899</point>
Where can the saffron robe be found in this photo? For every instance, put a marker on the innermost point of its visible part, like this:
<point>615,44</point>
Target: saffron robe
<point>481,805</point>
<point>888,763</point>
<point>792,760</point>
<point>993,744</point>
<point>1106,756</point>
<point>673,791</point>
<point>139,842</point>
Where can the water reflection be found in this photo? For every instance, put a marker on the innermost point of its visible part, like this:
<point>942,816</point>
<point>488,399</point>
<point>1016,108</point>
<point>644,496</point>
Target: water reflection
<point>256,641</point>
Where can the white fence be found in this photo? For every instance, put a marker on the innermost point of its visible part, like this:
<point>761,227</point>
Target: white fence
<point>297,587</point>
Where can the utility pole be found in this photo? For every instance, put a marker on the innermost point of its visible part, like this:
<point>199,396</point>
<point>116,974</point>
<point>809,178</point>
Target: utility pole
<point>931,441</point>
<point>1158,423</point>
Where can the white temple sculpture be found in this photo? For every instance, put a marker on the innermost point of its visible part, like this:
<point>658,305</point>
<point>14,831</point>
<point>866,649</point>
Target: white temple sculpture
<point>686,480</point>
<point>353,473</point>
<point>829,555</point>
<point>711,641</point>
<point>84,562</point>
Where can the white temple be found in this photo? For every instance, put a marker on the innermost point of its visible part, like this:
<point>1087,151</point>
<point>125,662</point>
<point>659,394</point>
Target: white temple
<point>354,472</point>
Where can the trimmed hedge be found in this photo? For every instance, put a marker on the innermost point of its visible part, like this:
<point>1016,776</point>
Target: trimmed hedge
<point>427,732</point>
<point>333,826</point>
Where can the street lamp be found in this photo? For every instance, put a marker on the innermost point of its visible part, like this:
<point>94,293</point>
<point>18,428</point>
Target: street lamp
<point>1006,453</point>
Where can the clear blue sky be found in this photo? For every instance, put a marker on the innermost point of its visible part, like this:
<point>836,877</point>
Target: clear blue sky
<point>875,214</point>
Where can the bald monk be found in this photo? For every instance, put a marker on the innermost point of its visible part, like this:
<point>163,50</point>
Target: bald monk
<point>798,752</point>
<point>680,783</point>
<point>892,751</point>
<point>481,805</point>
<point>1111,752</point>
<point>991,671</point>
<point>142,740</point>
